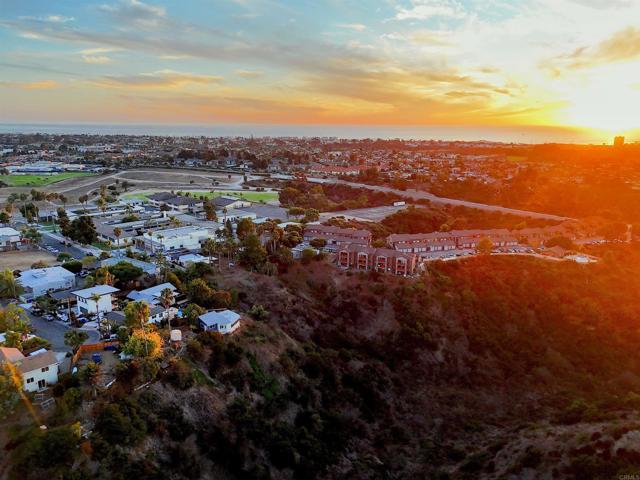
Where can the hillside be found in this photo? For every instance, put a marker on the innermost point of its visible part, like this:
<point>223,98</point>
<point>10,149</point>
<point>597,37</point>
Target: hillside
<point>490,367</point>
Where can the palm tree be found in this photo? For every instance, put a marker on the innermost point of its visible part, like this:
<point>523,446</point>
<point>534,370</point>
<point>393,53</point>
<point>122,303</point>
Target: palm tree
<point>117,232</point>
<point>96,298</point>
<point>209,248</point>
<point>166,297</point>
<point>9,286</point>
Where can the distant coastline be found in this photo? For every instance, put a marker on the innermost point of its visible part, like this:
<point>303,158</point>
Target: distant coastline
<point>512,134</point>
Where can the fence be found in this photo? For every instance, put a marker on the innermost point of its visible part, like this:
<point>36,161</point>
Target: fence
<point>92,347</point>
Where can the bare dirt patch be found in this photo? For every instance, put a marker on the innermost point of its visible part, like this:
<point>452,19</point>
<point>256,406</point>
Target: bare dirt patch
<point>22,260</point>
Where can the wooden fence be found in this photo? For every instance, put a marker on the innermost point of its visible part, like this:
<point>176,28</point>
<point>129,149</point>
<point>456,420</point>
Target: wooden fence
<point>92,347</point>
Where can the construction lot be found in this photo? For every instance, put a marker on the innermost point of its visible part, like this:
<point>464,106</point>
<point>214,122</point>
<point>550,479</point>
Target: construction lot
<point>22,260</point>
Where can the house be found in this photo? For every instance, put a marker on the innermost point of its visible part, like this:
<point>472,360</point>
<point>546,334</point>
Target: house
<point>37,282</point>
<point>158,314</point>
<point>336,236</point>
<point>37,371</point>
<point>177,203</point>
<point>147,267</point>
<point>386,260</point>
<point>151,295</point>
<point>188,238</point>
<point>229,202</point>
<point>224,321</point>
<point>10,239</point>
<point>188,259</point>
<point>102,304</point>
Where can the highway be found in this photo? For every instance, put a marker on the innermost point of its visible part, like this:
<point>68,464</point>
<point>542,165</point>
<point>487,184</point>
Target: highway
<point>421,195</point>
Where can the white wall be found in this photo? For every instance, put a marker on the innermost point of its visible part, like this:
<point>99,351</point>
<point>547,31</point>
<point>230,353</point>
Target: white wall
<point>104,305</point>
<point>31,379</point>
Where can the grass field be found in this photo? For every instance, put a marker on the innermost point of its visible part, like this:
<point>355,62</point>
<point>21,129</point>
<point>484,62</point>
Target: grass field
<point>248,195</point>
<point>39,180</point>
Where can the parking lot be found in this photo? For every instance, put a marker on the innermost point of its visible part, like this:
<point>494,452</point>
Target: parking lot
<point>54,332</point>
<point>373,214</point>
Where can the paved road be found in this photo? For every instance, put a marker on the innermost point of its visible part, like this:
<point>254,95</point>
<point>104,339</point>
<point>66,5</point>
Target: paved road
<point>421,195</point>
<point>51,241</point>
<point>54,333</point>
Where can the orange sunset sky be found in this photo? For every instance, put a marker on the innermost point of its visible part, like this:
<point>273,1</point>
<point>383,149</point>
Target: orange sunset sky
<point>568,66</point>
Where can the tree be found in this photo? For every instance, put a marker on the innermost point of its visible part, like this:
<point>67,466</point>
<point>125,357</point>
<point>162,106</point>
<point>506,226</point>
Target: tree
<point>137,314</point>
<point>245,228</point>
<point>191,313</point>
<point>74,338</point>
<point>253,255</point>
<point>13,318</point>
<point>143,344</point>
<point>13,340</point>
<point>33,235</point>
<point>83,230</point>
<point>319,243</point>
<point>210,211</point>
<point>485,245</point>
<point>209,248</point>
<point>10,387</point>
<point>311,215</point>
<point>166,297</point>
<point>9,286</point>
<point>125,272</point>
<point>117,232</point>
<point>103,276</point>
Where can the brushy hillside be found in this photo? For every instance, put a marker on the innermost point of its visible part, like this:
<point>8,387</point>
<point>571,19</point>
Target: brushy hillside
<point>490,367</point>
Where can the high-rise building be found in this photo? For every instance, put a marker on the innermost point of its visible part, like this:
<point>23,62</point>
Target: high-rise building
<point>618,141</point>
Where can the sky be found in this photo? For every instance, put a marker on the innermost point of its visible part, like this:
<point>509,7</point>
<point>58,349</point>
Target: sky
<point>568,68</point>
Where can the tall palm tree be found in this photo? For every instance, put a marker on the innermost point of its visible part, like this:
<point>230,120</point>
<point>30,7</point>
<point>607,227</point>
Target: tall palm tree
<point>96,298</point>
<point>166,297</point>
<point>209,248</point>
<point>117,232</point>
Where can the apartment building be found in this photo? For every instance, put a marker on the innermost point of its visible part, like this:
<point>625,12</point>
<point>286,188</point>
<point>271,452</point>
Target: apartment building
<point>337,236</point>
<point>386,260</point>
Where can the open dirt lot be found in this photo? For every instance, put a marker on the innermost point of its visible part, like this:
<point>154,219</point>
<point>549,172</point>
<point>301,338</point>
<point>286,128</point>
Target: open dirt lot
<point>22,260</point>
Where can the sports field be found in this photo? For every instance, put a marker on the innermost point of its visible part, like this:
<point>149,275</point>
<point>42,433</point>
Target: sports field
<point>39,180</point>
<point>245,194</point>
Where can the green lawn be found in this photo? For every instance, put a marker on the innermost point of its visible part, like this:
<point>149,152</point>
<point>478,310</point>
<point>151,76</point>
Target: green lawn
<point>39,180</point>
<point>246,194</point>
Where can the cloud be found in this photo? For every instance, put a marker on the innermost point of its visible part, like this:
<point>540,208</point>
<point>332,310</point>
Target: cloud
<point>249,73</point>
<point>358,27</point>
<point>37,85</point>
<point>426,9</point>
<point>49,18</point>
<point>159,79</point>
<point>137,12</point>
<point>623,45</point>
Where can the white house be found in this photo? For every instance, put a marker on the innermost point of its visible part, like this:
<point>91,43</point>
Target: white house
<point>157,314</point>
<point>86,304</point>
<point>151,295</point>
<point>224,321</point>
<point>189,258</point>
<point>37,371</point>
<point>10,239</point>
<point>39,281</point>
<point>188,238</point>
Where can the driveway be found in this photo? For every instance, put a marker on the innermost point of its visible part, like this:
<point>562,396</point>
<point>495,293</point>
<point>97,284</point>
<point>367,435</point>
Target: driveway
<point>54,333</point>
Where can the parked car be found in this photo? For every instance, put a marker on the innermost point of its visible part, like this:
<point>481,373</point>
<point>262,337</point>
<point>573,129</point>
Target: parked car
<point>96,358</point>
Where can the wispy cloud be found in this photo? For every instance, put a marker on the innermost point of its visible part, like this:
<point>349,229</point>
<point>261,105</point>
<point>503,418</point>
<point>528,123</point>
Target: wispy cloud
<point>425,9</point>
<point>160,79</point>
<point>358,27</point>
<point>249,73</point>
<point>38,85</point>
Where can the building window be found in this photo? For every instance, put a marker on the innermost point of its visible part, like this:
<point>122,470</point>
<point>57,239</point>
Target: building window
<point>45,369</point>
<point>30,380</point>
